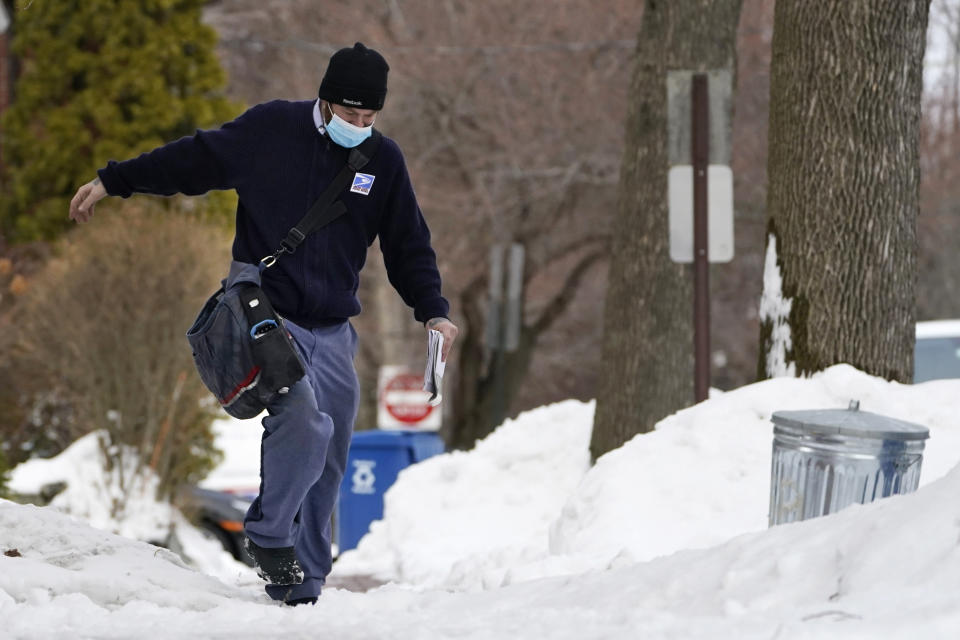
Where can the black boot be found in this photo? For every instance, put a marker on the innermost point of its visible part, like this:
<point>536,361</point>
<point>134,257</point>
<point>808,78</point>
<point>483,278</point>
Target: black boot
<point>276,566</point>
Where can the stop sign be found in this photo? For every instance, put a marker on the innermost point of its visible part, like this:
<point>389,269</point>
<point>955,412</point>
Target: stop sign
<point>404,398</point>
<point>403,404</point>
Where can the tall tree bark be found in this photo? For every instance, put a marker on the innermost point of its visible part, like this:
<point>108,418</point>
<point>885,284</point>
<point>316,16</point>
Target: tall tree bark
<point>648,322</point>
<point>843,198</point>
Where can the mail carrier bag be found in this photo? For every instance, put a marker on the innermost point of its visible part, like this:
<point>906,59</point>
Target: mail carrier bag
<point>243,352</point>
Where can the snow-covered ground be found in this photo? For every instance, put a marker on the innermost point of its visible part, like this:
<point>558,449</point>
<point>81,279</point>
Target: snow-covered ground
<point>520,538</point>
<point>122,503</point>
<point>126,504</point>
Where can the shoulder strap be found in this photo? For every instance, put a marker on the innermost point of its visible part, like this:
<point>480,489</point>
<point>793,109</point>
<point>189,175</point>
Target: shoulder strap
<point>325,210</point>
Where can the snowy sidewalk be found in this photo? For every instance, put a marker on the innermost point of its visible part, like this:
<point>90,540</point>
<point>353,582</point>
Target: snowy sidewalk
<point>520,538</point>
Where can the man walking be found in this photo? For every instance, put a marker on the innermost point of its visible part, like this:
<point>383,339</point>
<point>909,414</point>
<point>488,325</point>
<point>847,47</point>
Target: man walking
<point>279,156</point>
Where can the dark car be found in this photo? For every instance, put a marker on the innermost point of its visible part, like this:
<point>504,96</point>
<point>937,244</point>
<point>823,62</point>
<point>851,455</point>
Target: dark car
<point>219,514</point>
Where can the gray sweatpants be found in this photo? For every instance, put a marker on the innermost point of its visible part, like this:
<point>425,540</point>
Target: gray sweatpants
<point>303,454</point>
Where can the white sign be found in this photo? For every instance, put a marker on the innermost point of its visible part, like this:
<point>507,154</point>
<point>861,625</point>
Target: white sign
<point>402,403</point>
<point>719,213</point>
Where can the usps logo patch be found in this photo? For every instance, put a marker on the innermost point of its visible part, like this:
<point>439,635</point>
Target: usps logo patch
<point>362,183</point>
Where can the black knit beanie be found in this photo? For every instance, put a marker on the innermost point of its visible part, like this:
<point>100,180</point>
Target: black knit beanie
<point>355,77</point>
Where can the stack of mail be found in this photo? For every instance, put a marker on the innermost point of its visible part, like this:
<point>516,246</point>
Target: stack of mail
<point>433,373</point>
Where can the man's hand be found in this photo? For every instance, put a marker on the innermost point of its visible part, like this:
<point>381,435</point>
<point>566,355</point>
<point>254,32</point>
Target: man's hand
<point>449,331</point>
<point>81,207</point>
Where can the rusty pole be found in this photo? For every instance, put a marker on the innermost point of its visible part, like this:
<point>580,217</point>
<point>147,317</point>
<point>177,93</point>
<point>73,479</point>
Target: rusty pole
<point>701,266</point>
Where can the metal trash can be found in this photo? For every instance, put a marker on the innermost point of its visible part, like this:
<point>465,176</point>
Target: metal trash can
<point>376,458</point>
<point>825,460</point>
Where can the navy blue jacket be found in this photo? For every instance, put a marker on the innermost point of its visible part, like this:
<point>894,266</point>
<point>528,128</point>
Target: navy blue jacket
<point>279,163</point>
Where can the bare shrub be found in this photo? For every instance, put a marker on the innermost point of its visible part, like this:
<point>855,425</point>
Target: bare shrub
<point>97,340</point>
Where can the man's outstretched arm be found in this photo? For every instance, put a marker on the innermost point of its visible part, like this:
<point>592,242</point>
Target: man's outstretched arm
<point>209,159</point>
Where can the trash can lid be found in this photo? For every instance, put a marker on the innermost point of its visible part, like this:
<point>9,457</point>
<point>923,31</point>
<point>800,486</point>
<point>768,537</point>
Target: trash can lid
<point>851,422</point>
<point>392,438</point>
<point>378,438</point>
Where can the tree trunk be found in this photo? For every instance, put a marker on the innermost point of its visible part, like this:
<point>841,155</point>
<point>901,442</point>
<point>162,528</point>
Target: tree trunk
<point>648,323</point>
<point>492,392</point>
<point>489,380</point>
<point>840,277</point>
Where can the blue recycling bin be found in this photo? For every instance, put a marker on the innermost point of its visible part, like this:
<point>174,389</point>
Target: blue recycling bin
<point>376,458</point>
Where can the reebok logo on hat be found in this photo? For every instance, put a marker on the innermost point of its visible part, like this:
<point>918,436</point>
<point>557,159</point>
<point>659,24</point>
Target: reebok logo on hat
<point>358,72</point>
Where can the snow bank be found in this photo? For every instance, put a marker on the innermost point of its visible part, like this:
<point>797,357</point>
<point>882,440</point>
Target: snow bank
<point>885,570</point>
<point>121,501</point>
<point>490,517</point>
<point>704,475</point>
<point>561,549</point>
<point>91,492</point>
<point>62,557</point>
<point>459,517</point>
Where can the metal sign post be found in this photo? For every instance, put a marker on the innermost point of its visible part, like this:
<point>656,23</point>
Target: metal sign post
<point>504,318</point>
<point>700,191</point>
<point>700,152</point>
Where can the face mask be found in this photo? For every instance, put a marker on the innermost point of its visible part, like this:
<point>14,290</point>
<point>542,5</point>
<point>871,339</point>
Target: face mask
<point>346,134</point>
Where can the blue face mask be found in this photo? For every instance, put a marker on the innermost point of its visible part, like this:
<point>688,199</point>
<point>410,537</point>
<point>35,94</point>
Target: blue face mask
<point>345,134</point>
